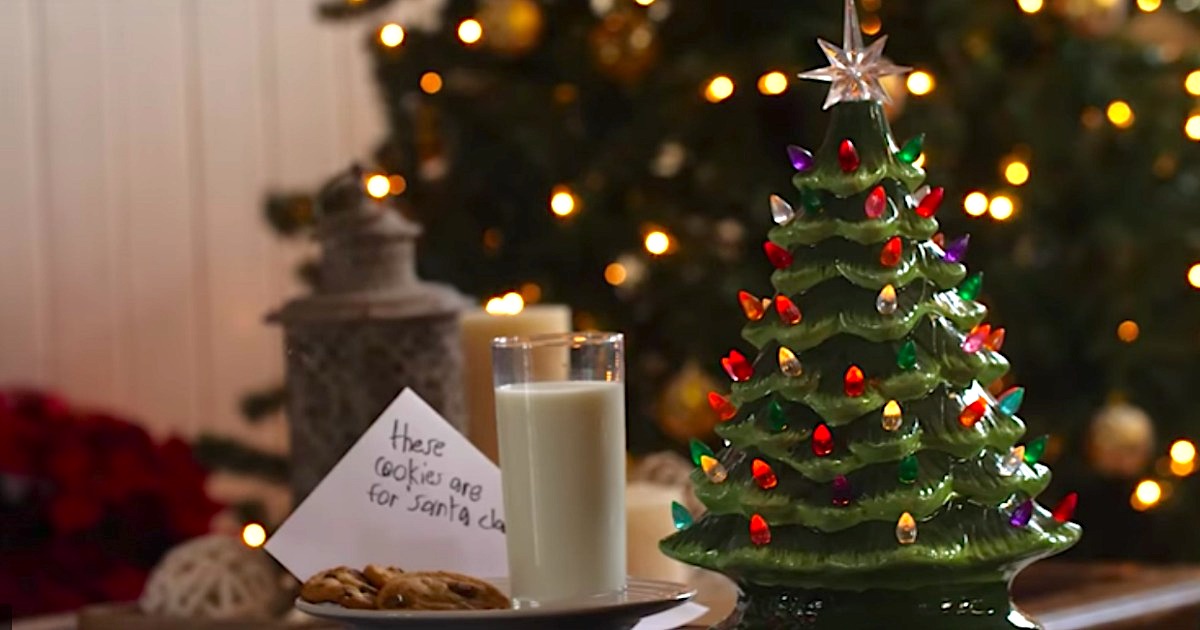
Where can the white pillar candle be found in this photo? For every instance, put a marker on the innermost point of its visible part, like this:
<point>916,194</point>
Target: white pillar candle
<point>478,329</point>
<point>648,520</point>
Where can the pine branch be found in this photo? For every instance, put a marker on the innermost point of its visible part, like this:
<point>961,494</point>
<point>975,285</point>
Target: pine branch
<point>222,453</point>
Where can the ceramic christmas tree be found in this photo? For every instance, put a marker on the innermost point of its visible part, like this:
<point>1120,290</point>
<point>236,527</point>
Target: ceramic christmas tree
<point>871,480</point>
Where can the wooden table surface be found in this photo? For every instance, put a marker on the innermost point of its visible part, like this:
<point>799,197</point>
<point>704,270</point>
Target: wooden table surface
<point>1063,596</point>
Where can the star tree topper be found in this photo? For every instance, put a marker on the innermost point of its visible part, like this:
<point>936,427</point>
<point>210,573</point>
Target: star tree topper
<point>854,72</point>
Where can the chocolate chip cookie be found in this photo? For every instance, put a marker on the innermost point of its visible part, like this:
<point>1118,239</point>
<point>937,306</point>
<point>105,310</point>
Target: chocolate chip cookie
<point>439,590</point>
<point>343,586</point>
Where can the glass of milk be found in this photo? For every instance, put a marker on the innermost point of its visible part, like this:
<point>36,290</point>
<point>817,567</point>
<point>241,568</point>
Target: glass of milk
<point>560,418</point>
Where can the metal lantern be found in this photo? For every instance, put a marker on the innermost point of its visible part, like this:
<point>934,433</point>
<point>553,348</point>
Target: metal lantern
<point>371,329</point>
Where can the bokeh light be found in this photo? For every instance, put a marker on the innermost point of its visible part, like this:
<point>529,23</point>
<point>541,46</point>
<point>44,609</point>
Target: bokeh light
<point>658,243</point>
<point>921,83</point>
<point>976,204</point>
<point>1120,114</point>
<point>391,35</point>
<point>470,31</point>
<point>773,83</point>
<point>254,535</point>
<point>719,88</point>
<point>378,186</point>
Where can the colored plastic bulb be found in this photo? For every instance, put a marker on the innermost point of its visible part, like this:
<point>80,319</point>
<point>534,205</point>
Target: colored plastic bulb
<point>681,516</point>
<point>713,469</point>
<point>906,529</point>
<point>760,533</point>
<point>969,289</point>
<point>751,306</point>
<point>893,416</point>
<point>854,383</point>
<point>699,449</point>
<point>840,491</point>
<point>889,256</point>
<point>886,302</point>
<point>956,250</point>
<point>995,341</point>
<point>776,416</point>
<point>1035,449</point>
<point>1012,462</point>
<point>974,341</point>
<point>781,211</point>
<point>789,364</point>
<point>788,312</point>
<point>911,150</point>
<point>763,475</point>
<point>939,239</point>
<point>910,469</point>
<point>848,156</point>
<point>972,413</point>
<point>930,204</point>
<point>906,358</point>
<point>780,258</point>
<point>801,158</point>
<point>724,409</point>
<point>1022,515</point>
<point>811,199</point>
<point>737,367</point>
<point>876,203</point>
<point>1010,401</point>
<point>822,440</point>
<point>1066,508</point>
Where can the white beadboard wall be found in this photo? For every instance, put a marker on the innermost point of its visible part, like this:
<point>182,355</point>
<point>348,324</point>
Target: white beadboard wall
<point>137,141</point>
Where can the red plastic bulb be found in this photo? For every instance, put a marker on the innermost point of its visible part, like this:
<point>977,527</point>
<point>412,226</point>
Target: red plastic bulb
<point>760,533</point>
<point>995,341</point>
<point>930,204</point>
<point>763,475</point>
<point>780,258</point>
<point>737,367</point>
<point>939,239</point>
<point>890,256</point>
<point>855,383</point>
<point>822,440</point>
<point>725,410</point>
<point>751,306</point>
<point>876,203</point>
<point>972,413</point>
<point>848,156</point>
<point>789,313</point>
<point>841,491</point>
<point>1066,508</point>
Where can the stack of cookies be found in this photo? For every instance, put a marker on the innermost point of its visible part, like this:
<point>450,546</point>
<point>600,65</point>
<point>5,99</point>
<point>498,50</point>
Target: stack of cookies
<point>391,588</point>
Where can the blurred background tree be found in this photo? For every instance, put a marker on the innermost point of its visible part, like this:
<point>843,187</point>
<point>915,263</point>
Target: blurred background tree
<point>615,155</point>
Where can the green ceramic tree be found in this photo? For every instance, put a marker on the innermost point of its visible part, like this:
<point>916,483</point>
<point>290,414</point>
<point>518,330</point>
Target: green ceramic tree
<point>870,479</point>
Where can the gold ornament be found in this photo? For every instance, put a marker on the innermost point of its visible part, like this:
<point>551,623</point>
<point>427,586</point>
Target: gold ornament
<point>1120,441</point>
<point>683,410</point>
<point>624,45</point>
<point>513,27</point>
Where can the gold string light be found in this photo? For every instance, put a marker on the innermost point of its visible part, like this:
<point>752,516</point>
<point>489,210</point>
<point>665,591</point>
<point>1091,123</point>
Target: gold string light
<point>1192,83</point>
<point>1129,331</point>
<point>1149,6</point>
<point>658,242</point>
<point>431,83</point>
<point>254,535</point>
<point>1193,276</point>
<point>378,186</point>
<point>718,89</point>
<point>470,31</point>
<point>773,83</point>
<point>1146,495</point>
<point>1192,127</point>
<point>1030,6</point>
<point>976,204</point>
<point>1002,207</point>
<point>1120,114</point>
<point>391,35</point>
<point>1016,172</point>
<point>616,274</point>
<point>921,83</point>
<point>563,202</point>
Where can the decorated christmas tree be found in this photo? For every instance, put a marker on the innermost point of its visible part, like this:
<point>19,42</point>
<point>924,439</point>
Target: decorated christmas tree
<point>871,478</point>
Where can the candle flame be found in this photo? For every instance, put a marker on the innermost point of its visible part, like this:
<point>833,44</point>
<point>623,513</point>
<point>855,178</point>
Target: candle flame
<point>510,303</point>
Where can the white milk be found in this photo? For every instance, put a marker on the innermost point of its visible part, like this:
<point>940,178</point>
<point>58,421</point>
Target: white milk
<point>562,460</point>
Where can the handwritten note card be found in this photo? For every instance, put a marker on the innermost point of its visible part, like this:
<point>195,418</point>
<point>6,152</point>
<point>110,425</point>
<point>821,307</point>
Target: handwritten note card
<point>412,492</point>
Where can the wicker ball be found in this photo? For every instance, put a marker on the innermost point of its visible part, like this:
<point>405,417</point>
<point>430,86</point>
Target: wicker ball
<point>215,577</point>
<point>1121,441</point>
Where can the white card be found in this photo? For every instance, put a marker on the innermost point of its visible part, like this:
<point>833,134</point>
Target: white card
<point>411,492</point>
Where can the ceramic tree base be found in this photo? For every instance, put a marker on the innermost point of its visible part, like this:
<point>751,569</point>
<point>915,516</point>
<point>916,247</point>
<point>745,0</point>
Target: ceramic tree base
<point>943,607</point>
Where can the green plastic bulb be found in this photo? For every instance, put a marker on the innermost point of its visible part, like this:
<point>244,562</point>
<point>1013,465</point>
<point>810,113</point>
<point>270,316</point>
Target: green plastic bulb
<point>912,150</point>
<point>699,449</point>
<point>1034,450</point>
<point>681,516</point>
<point>906,359</point>
<point>909,469</point>
<point>776,416</point>
<point>969,289</point>
<point>811,200</point>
